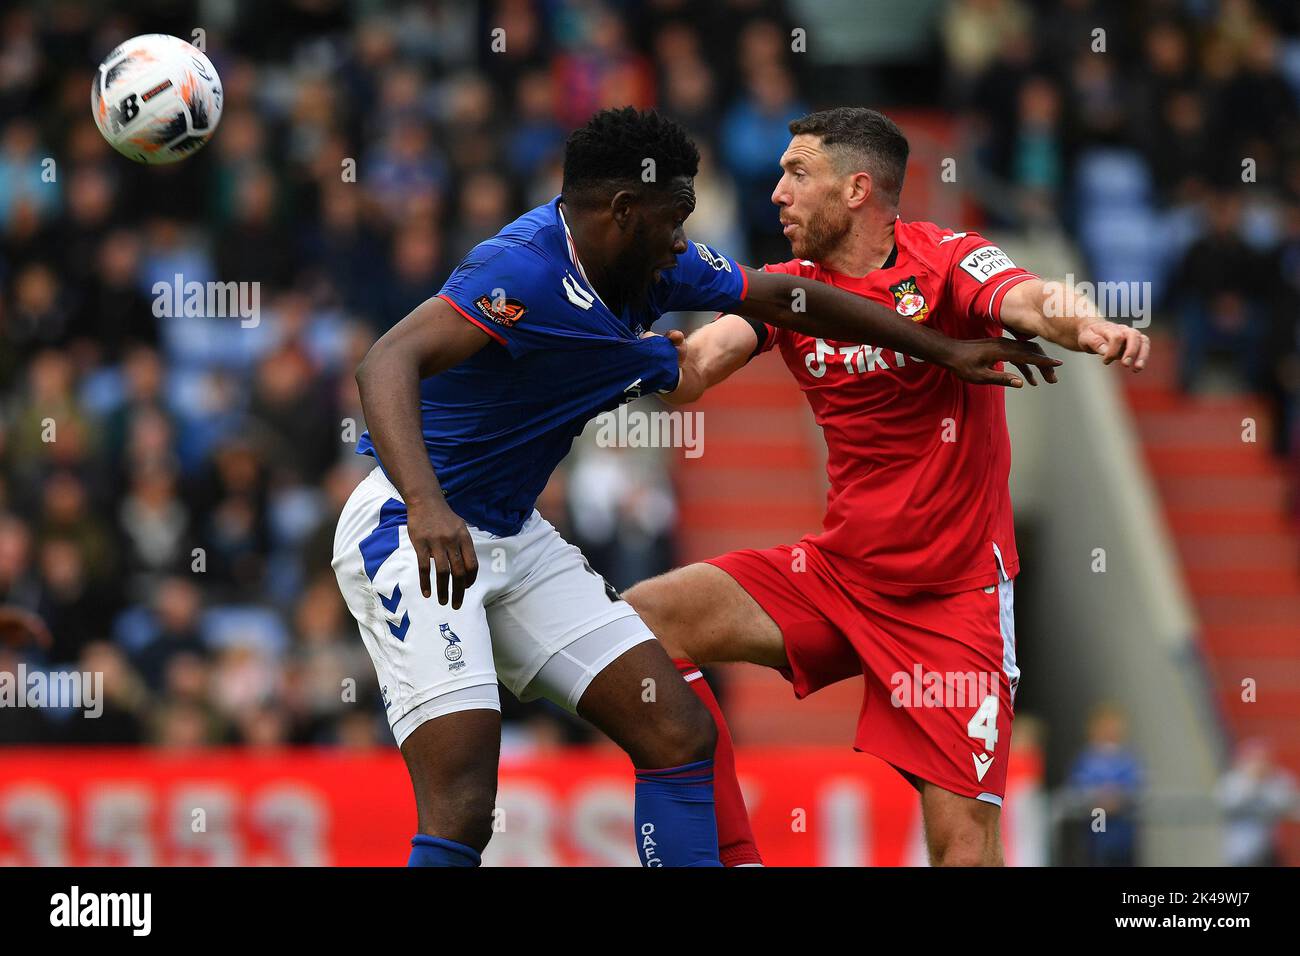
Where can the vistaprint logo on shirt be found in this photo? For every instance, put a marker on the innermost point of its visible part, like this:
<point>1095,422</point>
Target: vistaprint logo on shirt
<point>75,909</point>
<point>56,690</point>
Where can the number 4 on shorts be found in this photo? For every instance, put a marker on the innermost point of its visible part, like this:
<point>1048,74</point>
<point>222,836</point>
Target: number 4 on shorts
<point>984,725</point>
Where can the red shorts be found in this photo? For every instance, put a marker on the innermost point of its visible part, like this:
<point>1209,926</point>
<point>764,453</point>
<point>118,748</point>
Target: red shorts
<point>939,669</point>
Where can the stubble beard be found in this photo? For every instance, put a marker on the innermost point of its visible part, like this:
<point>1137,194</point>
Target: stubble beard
<point>822,233</point>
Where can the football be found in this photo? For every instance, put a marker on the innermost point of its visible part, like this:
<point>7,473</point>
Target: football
<point>156,99</point>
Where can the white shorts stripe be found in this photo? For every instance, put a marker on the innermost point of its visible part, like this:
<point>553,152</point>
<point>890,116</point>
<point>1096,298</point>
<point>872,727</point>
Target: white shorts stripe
<point>1007,624</point>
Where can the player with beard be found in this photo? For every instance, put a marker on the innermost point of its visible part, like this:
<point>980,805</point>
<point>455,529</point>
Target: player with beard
<point>471,401</point>
<point>912,572</point>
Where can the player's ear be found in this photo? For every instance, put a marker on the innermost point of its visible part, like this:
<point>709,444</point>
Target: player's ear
<point>620,207</point>
<point>857,189</point>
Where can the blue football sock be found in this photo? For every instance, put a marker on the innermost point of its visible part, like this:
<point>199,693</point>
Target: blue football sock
<point>435,851</point>
<point>675,823</point>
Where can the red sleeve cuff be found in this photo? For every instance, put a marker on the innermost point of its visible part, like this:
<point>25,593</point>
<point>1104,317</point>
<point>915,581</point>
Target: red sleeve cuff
<point>1000,292</point>
<point>492,332</point>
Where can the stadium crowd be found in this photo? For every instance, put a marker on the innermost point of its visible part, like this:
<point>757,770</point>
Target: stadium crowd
<point>1165,135</point>
<point>169,483</point>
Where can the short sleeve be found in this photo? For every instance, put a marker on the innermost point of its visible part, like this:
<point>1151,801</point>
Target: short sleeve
<point>769,336</point>
<point>501,289</point>
<point>980,275</point>
<point>704,280</point>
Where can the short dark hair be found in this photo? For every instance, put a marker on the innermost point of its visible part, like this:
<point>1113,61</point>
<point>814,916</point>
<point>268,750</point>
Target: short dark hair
<point>862,139</point>
<point>609,153</point>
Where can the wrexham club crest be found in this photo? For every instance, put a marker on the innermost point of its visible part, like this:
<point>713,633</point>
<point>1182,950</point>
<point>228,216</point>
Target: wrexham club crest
<point>908,300</point>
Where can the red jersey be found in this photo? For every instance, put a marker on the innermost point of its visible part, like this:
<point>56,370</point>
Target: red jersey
<point>919,460</point>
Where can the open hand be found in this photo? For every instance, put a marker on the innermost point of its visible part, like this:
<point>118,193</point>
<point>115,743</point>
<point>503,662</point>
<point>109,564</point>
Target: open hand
<point>974,361</point>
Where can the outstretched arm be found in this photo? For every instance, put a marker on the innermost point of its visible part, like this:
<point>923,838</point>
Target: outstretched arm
<point>711,354</point>
<point>1056,312</point>
<point>432,339</point>
<point>815,308</point>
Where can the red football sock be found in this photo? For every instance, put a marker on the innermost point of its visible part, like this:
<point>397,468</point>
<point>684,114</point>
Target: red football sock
<point>735,838</point>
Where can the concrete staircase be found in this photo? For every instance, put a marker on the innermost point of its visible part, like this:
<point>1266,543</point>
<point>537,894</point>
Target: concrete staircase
<point>1226,504</point>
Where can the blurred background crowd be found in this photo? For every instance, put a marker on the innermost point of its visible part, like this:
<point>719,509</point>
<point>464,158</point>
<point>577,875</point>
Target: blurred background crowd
<point>169,486</point>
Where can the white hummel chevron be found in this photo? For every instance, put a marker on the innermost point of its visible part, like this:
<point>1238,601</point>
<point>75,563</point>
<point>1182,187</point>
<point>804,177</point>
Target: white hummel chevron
<point>577,295</point>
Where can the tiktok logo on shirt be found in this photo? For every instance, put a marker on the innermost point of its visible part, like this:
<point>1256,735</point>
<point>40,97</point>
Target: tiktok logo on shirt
<point>858,359</point>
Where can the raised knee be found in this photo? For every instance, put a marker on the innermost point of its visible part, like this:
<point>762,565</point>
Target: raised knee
<point>649,598</point>
<point>653,604</point>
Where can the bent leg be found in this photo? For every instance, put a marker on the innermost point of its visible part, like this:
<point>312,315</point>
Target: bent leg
<point>702,615</point>
<point>565,635</point>
<point>452,761</point>
<point>640,703</point>
<point>960,831</point>
<point>700,612</point>
<point>434,668</point>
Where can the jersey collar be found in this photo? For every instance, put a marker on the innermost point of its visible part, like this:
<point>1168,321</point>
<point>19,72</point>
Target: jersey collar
<point>573,253</point>
<point>890,261</point>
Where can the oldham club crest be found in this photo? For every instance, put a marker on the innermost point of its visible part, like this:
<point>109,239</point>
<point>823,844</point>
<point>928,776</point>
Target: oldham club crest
<point>908,300</point>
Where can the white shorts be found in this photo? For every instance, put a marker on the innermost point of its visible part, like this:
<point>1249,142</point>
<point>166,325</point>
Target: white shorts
<point>538,618</point>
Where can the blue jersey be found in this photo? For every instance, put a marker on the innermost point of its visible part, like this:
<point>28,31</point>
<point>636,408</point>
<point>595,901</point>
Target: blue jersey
<point>496,425</point>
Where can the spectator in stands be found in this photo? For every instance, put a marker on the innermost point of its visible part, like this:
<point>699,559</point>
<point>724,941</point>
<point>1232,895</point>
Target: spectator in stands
<point>754,132</point>
<point>537,137</point>
<point>974,31</point>
<point>111,314</point>
<point>77,608</point>
<point>1256,796</point>
<point>1107,779</point>
<point>166,630</point>
<point>21,170</point>
<point>24,638</point>
<point>19,589</point>
<point>599,68</point>
<point>626,513</point>
<point>1219,291</point>
<point>1037,154</point>
<point>1283,385</point>
<point>125,703</point>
